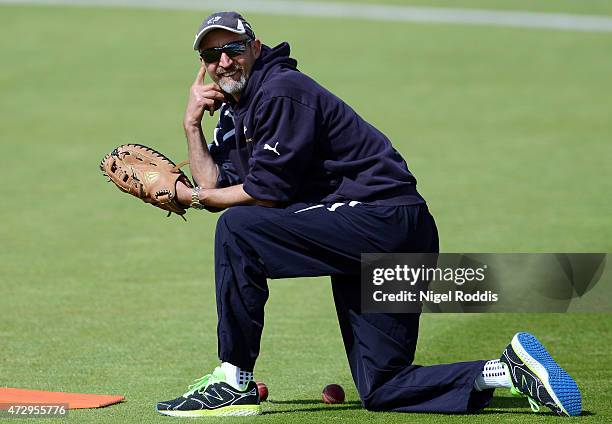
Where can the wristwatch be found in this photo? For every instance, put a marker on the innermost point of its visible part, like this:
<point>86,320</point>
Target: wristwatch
<point>195,198</point>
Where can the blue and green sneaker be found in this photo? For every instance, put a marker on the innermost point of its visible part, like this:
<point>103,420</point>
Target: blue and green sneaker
<point>212,396</point>
<point>536,375</point>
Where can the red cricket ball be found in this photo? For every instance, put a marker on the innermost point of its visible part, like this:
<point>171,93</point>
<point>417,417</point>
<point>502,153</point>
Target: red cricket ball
<point>333,393</point>
<point>263,391</point>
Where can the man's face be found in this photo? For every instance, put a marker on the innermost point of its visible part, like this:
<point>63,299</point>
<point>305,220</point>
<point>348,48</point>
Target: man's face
<point>231,73</point>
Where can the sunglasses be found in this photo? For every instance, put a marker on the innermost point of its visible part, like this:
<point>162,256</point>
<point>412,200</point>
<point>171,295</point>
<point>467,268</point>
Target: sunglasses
<point>232,49</point>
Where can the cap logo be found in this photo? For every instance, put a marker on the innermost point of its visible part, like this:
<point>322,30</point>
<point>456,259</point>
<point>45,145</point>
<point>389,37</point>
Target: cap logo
<point>240,27</point>
<point>214,20</point>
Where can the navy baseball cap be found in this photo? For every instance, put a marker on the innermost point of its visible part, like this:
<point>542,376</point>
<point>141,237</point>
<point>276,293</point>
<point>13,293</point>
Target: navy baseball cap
<point>229,21</point>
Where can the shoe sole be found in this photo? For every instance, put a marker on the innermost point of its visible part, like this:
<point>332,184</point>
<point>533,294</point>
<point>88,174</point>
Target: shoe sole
<point>226,411</point>
<point>560,386</point>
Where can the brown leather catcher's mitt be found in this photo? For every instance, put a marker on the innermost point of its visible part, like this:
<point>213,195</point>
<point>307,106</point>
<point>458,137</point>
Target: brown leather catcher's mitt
<point>147,174</point>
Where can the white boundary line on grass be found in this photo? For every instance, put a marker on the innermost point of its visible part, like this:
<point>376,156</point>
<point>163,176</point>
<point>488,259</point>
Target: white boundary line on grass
<point>521,19</point>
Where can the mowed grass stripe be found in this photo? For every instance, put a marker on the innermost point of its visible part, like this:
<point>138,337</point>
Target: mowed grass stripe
<point>379,12</point>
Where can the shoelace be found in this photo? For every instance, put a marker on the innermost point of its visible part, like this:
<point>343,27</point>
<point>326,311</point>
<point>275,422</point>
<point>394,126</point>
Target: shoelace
<point>203,382</point>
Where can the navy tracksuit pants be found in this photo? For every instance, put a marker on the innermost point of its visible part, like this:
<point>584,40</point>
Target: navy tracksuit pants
<point>254,243</point>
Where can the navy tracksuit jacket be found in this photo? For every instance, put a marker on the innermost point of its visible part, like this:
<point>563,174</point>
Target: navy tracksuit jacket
<point>344,191</point>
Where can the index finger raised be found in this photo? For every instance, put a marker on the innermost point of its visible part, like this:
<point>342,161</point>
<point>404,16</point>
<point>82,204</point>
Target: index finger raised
<point>201,73</point>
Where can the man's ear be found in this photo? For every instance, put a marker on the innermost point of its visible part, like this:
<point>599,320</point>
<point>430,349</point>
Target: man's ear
<point>256,45</point>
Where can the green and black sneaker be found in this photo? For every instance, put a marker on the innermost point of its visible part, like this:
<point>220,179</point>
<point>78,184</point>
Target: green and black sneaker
<point>536,375</point>
<point>212,396</point>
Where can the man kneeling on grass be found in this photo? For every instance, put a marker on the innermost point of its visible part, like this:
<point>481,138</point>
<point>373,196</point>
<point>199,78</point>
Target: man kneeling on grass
<point>308,186</point>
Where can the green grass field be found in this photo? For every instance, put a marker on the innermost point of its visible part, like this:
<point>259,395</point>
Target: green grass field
<point>507,130</point>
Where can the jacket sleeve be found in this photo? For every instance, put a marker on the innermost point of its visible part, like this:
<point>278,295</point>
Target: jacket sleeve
<point>223,142</point>
<point>284,135</point>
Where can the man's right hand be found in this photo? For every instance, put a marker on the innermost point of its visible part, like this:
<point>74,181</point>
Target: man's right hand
<point>202,97</point>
